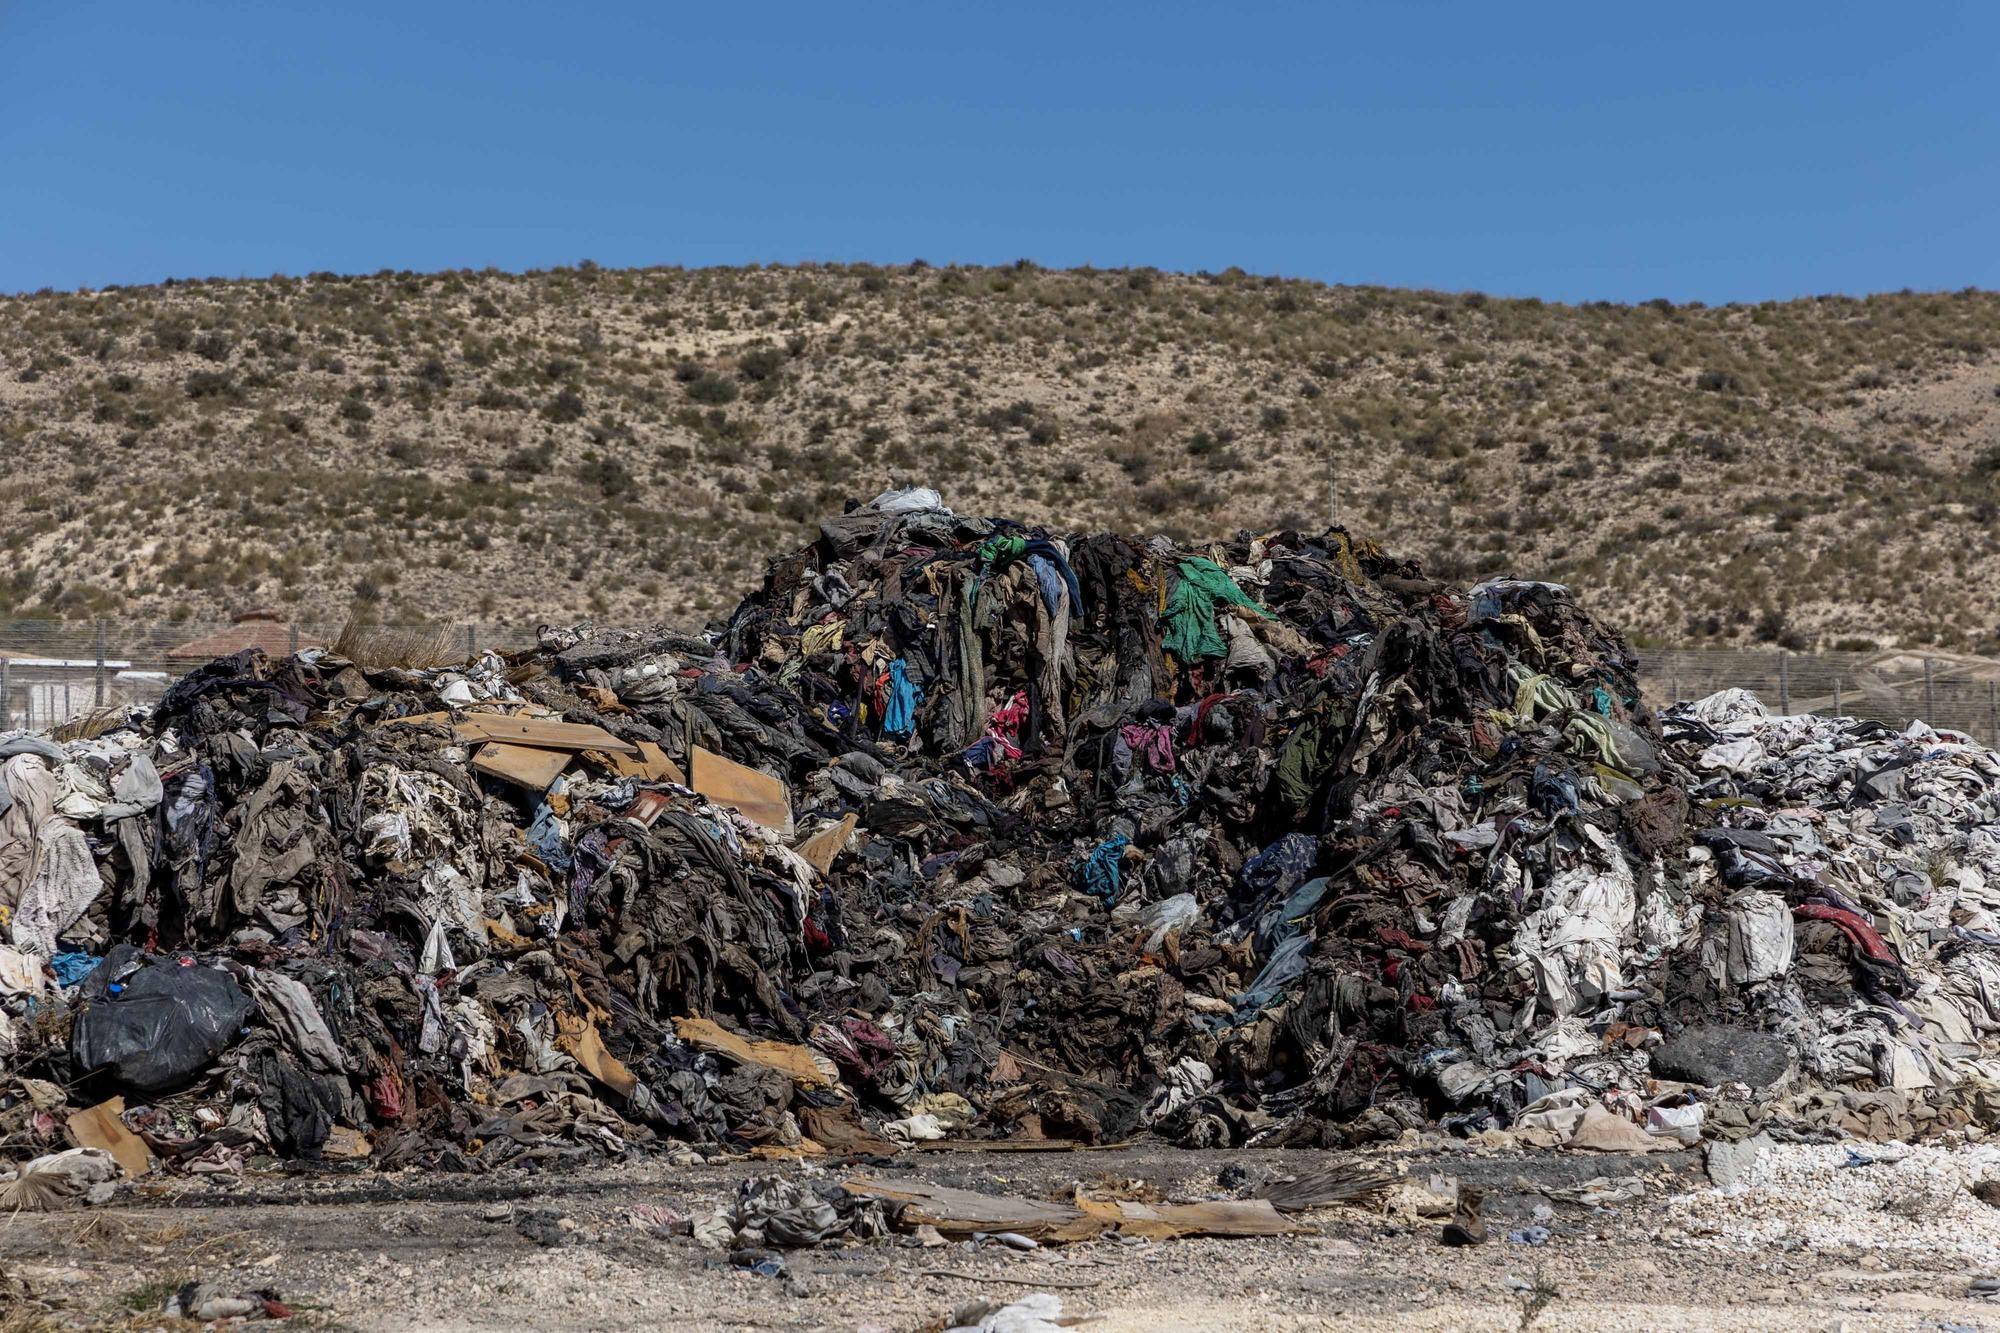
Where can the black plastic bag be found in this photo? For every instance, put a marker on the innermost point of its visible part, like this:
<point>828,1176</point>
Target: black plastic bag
<point>151,1024</point>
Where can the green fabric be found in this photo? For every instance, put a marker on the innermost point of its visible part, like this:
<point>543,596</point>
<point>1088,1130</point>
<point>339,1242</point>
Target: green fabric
<point>1200,587</point>
<point>1000,552</point>
<point>1538,696</point>
<point>1309,752</point>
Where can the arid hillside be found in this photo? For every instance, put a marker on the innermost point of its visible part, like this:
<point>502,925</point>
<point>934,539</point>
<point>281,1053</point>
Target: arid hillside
<point>634,444</point>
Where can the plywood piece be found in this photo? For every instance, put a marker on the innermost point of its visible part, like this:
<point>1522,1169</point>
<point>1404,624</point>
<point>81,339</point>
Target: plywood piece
<point>756,796</point>
<point>651,764</point>
<point>794,1062</point>
<point>821,848</point>
<point>532,731</point>
<point>520,764</point>
<point>100,1127</point>
<point>956,1212</point>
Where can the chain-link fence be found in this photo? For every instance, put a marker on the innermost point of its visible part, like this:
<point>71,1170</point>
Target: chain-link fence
<point>1944,689</point>
<point>52,670</point>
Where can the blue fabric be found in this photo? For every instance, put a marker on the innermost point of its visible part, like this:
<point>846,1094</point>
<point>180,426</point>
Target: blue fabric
<point>72,968</point>
<point>1280,923</point>
<point>1047,551</point>
<point>546,838</point>
<point>1553,792</point>
<point>899,711</point>
<point>1101,875</point>
<point>1287,964</point>
<point>1050,578</point>
<point>1282,866</point>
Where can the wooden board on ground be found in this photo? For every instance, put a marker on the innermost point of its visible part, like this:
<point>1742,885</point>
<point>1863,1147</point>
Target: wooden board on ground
<point>522,765</point>
<point>756,796</point>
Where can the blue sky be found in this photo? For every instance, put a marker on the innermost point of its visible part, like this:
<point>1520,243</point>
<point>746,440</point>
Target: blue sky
<point>1573,152</point>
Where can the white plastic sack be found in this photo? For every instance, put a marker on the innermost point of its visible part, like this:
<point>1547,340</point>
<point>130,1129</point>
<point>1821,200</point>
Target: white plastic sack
<point>907,500</point>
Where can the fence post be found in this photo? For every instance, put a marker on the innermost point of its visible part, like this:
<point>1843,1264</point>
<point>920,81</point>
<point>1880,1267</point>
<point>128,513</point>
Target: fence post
<point>471,648</point>
<point>6,694</point>
<point>1784,683</point>
<point>1839,710</point>
<point>1930,696</point>
<point>294,650</point>
<point>1992,713</point>
<point>100,664</point>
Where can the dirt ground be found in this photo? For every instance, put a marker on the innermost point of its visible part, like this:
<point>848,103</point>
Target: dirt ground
<point>367,1251</point>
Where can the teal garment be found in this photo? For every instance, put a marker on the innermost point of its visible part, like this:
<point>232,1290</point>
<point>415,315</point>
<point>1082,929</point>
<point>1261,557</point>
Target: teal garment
<point>1102,875</point>
<point>1199,587</point>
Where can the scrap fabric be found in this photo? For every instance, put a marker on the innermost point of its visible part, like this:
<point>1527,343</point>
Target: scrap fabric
<point>961,829</point>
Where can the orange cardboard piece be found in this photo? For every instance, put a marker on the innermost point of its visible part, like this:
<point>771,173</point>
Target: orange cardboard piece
<point>522,765</point>
<point>756,796</point>
<point>821,848</point>
<point>603,700</point>
<point>100,1127</point>
<point>580,1039</point>
<point>794,1062</point>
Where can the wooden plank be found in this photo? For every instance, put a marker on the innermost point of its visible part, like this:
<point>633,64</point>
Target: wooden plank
<point>755,796</point>
<point>542,735</point>
<point>522,765</point>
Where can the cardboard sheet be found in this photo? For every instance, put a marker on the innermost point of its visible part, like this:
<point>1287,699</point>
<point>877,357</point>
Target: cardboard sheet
<point>755,796</point>
<point>520,764</point>
<point>651,764</point>
<point>794,1062</point>
<point>100,1127</point>
<point>821,848</point>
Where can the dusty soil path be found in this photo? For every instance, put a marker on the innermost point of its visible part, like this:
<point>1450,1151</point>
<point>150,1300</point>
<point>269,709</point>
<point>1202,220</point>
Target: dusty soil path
<point>400,1252</point>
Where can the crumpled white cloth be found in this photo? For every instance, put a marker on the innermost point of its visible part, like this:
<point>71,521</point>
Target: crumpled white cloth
<point>66,883</point>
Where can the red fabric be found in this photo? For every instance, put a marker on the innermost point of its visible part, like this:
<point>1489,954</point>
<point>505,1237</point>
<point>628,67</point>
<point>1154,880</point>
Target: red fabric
<point>1860,932</point>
